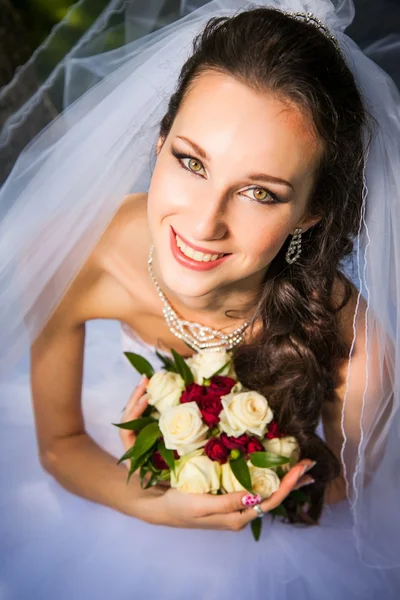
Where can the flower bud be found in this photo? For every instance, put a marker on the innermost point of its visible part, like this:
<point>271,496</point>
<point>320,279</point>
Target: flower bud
<point>234,454</point>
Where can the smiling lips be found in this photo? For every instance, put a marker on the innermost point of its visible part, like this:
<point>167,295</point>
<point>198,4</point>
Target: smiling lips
<point>193,257</point>
<point>195,254</point>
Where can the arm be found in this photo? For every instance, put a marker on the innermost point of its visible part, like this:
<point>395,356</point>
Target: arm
<point>357,404</point>
<point>83,468</point>
<point>66,451</point>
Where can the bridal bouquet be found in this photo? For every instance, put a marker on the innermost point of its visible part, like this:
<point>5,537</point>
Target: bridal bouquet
<point>204,432</point>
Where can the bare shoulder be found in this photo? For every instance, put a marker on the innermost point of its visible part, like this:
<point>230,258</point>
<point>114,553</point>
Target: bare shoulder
<point>86,296</point>
<point>127,233</point>
<point>351,309</point>
<point>358,368</point>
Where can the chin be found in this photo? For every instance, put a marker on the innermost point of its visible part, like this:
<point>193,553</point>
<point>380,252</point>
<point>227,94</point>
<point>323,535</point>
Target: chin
<point>189,285</point>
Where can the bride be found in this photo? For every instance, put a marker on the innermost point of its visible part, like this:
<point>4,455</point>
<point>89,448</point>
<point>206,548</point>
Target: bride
<point>272,182</point>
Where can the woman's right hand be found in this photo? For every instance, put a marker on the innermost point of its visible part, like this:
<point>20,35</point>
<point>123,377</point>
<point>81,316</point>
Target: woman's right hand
<point>208,511</point>
<point>163,505</point>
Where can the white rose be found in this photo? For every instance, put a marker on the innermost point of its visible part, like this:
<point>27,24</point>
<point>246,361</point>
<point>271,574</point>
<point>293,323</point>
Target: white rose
<point>229,483</point>
<point>264,481</point>
<point>164,390</point>
<point>205,364</point>
<point>285,446</point>
<point>245,411</point>
<point>196,475</point>
<point>183,428</point>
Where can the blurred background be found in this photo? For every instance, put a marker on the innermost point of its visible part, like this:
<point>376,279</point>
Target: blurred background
<point>44,45</point>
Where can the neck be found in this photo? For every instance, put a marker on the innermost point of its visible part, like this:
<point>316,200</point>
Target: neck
<point>238,299</point>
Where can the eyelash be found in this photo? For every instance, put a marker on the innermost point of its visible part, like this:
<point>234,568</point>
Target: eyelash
<point>180,156</point>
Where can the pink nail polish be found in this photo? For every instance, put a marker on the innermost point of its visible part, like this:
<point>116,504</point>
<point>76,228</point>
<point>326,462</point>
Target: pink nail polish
<point>250,500</point>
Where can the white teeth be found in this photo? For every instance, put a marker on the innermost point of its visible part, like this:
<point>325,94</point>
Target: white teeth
<point>195,254</point>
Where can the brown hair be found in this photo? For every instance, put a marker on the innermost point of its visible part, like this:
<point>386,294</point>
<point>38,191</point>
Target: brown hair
<point>294,357</point>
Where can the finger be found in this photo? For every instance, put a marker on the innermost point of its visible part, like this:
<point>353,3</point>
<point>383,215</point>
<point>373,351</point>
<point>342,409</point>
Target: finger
<point>210,504</point>
<point>137,393</point>
<point>137,404</point>
<point>232,521</point>
<point>303,481</point>
<point>288,483</point>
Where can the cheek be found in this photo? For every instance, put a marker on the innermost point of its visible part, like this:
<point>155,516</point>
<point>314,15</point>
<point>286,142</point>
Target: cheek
<point>268,235</point>
<point>168,189</point>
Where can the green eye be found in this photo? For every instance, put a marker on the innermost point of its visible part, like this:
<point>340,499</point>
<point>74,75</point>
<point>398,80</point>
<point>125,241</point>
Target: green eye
<point>260,194</point>
<point>195,165</point>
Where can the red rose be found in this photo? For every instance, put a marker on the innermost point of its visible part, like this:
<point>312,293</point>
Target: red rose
<point>235,443</point>
<point>221,385</point>
<point>208,401</point>
<point>273,431</point>
<point>159,462</point>
<point>216,450</point>
<point>192,393</point>
<point>254,445</point>
<point>210,407</point>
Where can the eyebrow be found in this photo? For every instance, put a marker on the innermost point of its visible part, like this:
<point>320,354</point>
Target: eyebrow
<point>253,176</point>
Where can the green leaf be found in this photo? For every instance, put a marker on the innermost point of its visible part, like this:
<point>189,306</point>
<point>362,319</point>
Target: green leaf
<point>267,460</point>
<point>128,454</point>
<point>152,481</point>
<point>140,462</point>
<point>136,424</point>
<point>241,472</point>
<point>168,363</point>
<point>165,475</point>
<point>182,368</point>
<point>141,364</point>
<point>167,455</point>
<point>142,474</point>
<point>280,472</point>
<point>144,441</point>
<point>256,527</point>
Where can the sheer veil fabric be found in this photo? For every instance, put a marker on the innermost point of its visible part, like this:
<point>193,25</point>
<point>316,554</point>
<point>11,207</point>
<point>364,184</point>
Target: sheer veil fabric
<point>56,204</point>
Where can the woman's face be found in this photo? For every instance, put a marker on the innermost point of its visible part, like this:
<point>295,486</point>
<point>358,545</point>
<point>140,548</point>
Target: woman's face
<point>232,177</point>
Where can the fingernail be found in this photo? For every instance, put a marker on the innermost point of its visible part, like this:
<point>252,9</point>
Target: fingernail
<point>142,379</point>
<point>308,482</point>
<point>250,500</point>
<point>308,467</point>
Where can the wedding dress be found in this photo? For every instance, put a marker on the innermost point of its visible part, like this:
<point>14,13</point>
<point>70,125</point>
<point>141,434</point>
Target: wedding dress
<point>55,545</point>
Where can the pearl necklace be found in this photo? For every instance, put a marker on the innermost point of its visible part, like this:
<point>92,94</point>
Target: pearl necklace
<point>198,337</point>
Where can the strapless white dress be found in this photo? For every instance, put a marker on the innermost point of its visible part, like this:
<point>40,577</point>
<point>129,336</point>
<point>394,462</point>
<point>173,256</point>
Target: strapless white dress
<point>57,546</point>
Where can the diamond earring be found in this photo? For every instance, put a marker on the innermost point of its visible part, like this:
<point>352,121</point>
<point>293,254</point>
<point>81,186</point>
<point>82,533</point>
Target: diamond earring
<point>294,249</point>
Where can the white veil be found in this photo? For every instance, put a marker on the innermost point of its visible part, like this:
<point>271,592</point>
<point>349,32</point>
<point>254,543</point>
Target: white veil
<point>68,183</point>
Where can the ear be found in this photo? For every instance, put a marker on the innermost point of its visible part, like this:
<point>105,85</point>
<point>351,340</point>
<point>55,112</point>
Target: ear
<point>159,145</point>
<point>308,222</point>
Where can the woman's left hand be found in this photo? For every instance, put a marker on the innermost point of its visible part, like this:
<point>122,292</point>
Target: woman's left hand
<point>136,406</point>
<point>293,480</point>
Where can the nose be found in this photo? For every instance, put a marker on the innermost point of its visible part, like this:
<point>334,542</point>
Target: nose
<point>211,219</point>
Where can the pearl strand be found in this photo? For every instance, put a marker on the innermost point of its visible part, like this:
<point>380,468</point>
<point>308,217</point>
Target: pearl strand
<point>199,337</point>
